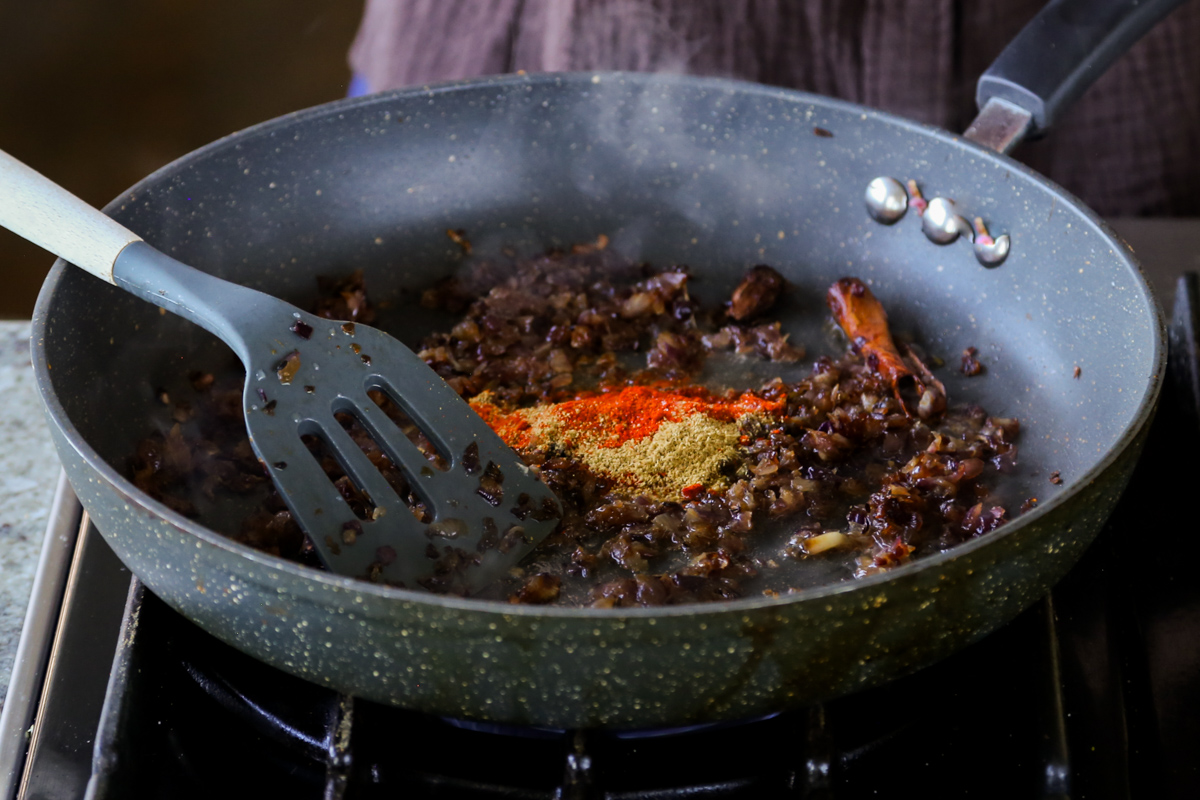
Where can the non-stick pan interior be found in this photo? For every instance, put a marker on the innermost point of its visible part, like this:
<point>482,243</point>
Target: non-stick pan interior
<point>715,175</point>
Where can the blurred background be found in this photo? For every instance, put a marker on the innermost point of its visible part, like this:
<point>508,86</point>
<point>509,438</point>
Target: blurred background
<point>97,95</point>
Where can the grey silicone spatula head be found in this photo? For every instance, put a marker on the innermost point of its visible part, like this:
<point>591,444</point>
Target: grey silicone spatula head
<point>455,523</point>
<point>479,510</point>
<point>453,520</point>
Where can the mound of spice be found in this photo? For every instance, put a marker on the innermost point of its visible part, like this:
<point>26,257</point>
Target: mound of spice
<point>663,443</point>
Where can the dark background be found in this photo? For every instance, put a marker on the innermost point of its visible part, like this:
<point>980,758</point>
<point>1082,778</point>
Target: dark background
<point>97,94</point>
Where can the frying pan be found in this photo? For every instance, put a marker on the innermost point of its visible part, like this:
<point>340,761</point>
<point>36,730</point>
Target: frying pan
<point>715,174</point>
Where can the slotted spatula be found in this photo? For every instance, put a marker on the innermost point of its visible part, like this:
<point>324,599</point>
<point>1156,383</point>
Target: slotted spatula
<point>301,370</point>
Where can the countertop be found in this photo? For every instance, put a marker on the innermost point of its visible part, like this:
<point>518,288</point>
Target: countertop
<point>28,473</point>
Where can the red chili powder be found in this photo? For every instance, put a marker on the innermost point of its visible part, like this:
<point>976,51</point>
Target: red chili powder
<point>613,418</point>
<point>513,428</point>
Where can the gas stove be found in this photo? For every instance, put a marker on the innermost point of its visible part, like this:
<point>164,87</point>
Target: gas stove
<point>1092,693</point>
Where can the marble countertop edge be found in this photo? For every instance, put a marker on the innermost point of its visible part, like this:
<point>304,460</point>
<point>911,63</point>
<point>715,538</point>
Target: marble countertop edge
<point>29,471</point>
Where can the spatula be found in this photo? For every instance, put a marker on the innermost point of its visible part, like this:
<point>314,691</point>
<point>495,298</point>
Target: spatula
<point>483,513</point>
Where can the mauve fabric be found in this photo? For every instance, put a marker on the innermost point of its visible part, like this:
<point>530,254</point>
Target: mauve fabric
<point>1127,148</point>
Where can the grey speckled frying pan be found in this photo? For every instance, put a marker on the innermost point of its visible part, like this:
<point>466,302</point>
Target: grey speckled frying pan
<point>715,174</point>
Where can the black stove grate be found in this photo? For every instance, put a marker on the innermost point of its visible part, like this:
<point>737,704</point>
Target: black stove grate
<point>193,703</point>
<point>190,703</point>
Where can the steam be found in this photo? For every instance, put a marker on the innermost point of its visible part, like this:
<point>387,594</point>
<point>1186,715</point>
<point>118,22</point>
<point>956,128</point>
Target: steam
<point>629,35</point>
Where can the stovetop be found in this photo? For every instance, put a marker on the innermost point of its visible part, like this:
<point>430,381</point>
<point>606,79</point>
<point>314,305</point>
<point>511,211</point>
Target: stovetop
<point>1092,693</point>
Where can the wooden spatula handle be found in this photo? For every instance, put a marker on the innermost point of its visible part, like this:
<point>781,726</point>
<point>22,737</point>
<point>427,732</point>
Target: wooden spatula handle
<point>35,208</point>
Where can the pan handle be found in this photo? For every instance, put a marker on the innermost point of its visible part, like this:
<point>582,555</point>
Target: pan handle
<point>1052,61</point>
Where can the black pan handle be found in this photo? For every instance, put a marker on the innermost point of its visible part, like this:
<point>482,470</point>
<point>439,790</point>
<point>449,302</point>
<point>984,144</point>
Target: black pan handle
<point>1057,56</point>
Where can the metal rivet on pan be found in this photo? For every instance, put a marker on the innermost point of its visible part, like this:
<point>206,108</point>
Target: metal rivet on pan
<point>886,200</point>
<point>990,252</point>
<point>942,225</point>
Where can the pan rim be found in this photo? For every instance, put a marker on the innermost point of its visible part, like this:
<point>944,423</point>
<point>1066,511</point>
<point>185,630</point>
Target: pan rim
<point>1137,422</point>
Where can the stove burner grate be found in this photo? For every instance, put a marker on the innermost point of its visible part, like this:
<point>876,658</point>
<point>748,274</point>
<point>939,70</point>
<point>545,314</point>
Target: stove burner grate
<point>190,702</point>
